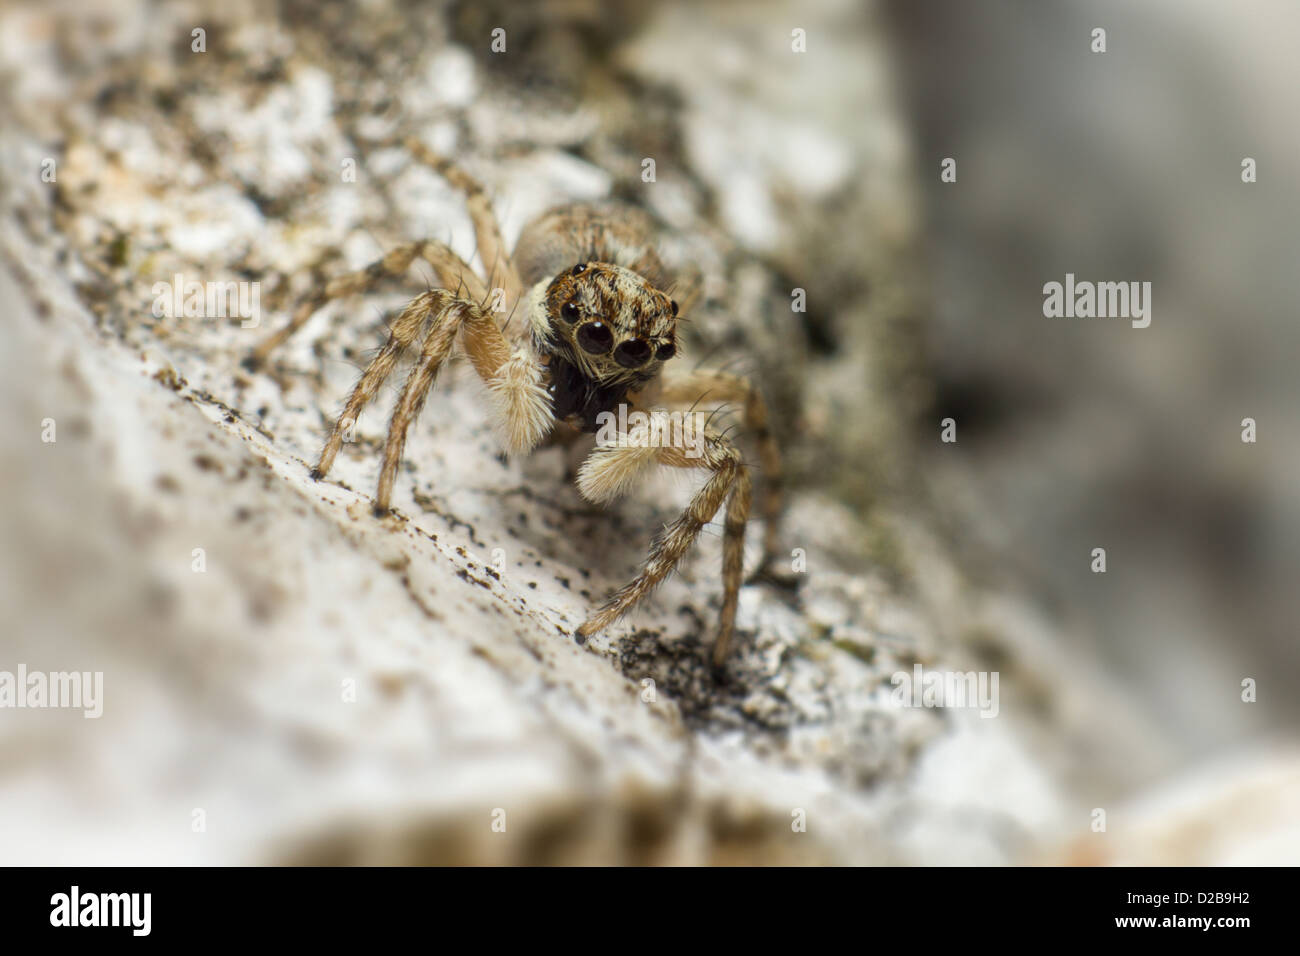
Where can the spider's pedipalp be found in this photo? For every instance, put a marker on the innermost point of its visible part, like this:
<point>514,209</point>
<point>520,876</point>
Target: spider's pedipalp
<point>611,472</point>
<point>521,403</point>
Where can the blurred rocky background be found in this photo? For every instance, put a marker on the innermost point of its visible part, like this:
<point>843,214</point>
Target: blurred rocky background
<point>1125,165</point>
<point>288,679</point>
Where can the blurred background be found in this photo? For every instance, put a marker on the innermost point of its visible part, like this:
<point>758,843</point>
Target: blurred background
<point>1085,433</point>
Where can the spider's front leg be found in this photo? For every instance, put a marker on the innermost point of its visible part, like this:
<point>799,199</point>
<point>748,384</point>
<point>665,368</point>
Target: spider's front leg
<point>452,271</point>
<point>514,380</point>
<point>705,387</point>
<point>612,469</point>
<point>497,262</point>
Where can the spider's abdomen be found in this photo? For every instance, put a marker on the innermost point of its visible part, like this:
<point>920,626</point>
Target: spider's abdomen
<point>588,232</point>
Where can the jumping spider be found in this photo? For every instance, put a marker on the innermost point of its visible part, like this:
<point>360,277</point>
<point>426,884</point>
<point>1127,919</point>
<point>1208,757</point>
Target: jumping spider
<point>599,329</point>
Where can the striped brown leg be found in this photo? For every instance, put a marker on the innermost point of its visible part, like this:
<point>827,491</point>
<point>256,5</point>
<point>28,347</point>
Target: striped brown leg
<point>453,273</point>
<point>437,317</point>
<point>610,470</point>
<point>497,264</point>
<point>708,388</point>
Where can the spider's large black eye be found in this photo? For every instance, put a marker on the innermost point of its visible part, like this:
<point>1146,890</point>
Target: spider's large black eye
<point>666,352</point>
<point>632,354</point>
<point>595,337</point>
<point>569,311</point>
<point>577,270</point>
<point>673,303</point>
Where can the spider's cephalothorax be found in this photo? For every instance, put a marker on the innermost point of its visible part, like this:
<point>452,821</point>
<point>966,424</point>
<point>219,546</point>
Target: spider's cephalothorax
<point>603,331</point>
<point>599,331</point>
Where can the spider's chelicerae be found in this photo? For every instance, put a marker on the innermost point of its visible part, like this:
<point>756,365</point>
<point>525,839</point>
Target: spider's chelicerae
<point>599,332</point>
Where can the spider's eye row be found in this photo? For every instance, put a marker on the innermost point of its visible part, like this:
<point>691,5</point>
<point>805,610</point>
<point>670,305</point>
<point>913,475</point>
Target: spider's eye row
<point>665,352</point>
<point>673,303</point>
<point>577,270</point>
<point>595,338</point>
<point>569,310</point>
<point>632,354</point>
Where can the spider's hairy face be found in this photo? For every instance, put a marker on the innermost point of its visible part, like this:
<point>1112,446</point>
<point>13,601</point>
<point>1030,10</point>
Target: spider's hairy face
<point>609,323</point>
